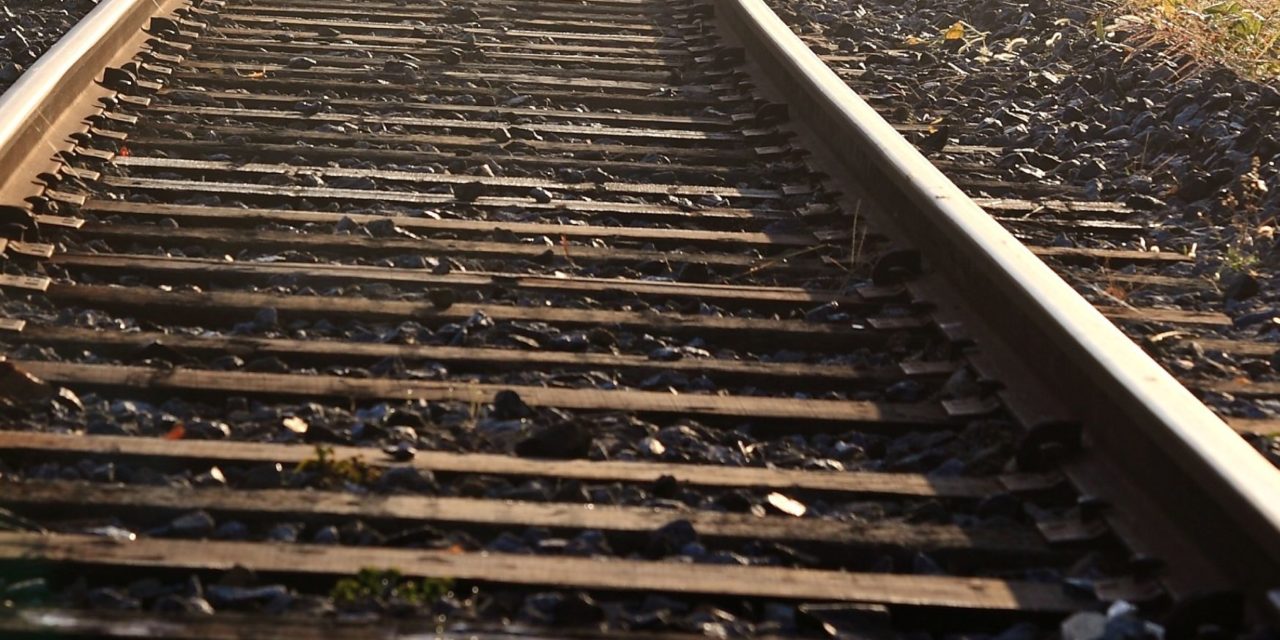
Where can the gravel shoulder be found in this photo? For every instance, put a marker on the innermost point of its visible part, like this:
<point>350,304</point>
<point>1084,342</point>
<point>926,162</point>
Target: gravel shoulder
<point>28,28</point>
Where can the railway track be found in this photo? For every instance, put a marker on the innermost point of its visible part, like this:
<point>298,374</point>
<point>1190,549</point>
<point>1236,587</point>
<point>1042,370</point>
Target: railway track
<point>1169,298</point>
<point>556,319</point>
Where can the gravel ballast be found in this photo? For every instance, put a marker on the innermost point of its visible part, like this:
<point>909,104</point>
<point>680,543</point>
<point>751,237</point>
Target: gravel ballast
<point>29,27</point>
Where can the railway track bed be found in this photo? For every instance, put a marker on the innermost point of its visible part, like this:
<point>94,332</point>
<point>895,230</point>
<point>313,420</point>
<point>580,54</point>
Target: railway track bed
<point>537,319</point>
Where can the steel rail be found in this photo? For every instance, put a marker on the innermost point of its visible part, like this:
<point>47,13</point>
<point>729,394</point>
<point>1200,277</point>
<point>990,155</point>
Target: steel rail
<point>39,108</point>
<point>1184,459</point>
<point>1225,495</point>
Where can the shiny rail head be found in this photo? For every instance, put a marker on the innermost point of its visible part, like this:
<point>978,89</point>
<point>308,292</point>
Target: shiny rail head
<point>1130,400</point>
<point>48,102</point>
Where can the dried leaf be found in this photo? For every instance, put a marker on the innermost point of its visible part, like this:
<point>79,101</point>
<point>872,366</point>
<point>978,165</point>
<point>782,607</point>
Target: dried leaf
<point>295,424</point>
<point>956,32</point>
<point>1167,335</point>
<point>786,505</point>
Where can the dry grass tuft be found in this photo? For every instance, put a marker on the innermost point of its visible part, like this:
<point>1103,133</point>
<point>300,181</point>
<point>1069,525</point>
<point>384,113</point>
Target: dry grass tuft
<point>1241,34</point>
